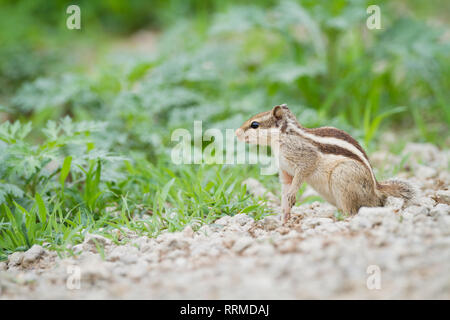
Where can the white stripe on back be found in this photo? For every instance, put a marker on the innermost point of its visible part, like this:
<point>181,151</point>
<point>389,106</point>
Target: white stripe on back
<point>337,142</point>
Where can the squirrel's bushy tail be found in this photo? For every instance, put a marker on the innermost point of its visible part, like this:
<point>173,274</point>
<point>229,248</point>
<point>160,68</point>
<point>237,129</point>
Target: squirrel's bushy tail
<point>396,188</point>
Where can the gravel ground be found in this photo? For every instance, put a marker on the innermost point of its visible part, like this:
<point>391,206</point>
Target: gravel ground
<point>398,251</point>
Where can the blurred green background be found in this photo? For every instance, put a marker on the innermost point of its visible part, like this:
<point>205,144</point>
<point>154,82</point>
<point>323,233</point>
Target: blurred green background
<point>86,115</point>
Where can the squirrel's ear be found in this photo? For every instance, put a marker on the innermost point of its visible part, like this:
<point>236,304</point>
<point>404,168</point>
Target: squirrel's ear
<point>278,112</point>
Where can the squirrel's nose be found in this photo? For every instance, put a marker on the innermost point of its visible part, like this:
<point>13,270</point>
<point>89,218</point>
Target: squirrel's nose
<point>238,132</point>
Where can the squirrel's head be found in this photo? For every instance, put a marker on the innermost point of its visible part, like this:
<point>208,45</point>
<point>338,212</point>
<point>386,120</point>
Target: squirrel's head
<point>260,128</point>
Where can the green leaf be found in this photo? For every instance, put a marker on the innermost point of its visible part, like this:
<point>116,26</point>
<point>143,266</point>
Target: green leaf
<point>375,123</point>
<point>250,208</point>
<point>166,189</point>
<point>42,210</point>
<point>139,71</point>
<point>65,170</point>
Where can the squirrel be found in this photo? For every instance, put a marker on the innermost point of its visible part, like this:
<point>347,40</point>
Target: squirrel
<point>328,159</point>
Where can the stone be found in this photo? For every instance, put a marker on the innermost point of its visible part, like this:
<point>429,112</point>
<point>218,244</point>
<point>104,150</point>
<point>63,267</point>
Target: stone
<point>26,278</point>
<point>140,242</point>
<point>395,203</point>
<point>288,246</point>
<point>188,232</point>
<point>225,220</point>
<point>283,230</point>
<point>91,241</point>
<point>178,243</point>
<point>205,230</point>
<point>440,210</point>
<point>328,228</point>
<point>265,249</point>
<point>425,172</point>
<point>444,220</point>
<point>269,223</point>
<point>228,242</point>
<point>32,255</point>
<point>200,249</point>
<point>359,222</point>
<point>15,259</point>
<point>423,202</point>
<point>324,210</point>
<point>425,152</point>
<point>241,244</point>
<point>241,219</point>
<point>311,245</point>
<point>174,254</point>
<point>416,210</point>
<point>125,254</point>
<point>313,222</point>
<point>443,196</point>
<point>138,271</point>
<point>181,262</point>
<point>377,214</point>
<point>93,269</point>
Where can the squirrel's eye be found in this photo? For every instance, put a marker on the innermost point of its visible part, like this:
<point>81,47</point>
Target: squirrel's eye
<point>254,125</point>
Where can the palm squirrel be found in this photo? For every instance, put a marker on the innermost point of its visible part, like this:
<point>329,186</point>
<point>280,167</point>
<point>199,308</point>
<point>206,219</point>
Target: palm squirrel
<point>328,159</point>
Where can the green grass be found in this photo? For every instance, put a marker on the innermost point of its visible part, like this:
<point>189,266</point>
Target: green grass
<point>85,143</point>
<point>148,201</point>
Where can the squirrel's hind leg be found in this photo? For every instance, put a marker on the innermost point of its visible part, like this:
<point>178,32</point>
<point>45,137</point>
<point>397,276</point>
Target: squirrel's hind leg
<point>352,187</point>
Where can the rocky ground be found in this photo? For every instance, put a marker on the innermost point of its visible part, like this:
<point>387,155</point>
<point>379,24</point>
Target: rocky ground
<point>398,251</point>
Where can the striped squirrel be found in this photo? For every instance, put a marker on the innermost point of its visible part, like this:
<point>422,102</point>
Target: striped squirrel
<point>326,158</point>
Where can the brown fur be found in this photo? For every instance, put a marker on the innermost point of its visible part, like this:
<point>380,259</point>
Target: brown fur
<point>336,172</point>
<point>336,133</point>
<point>332,149</point>
<point>396,188</point>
